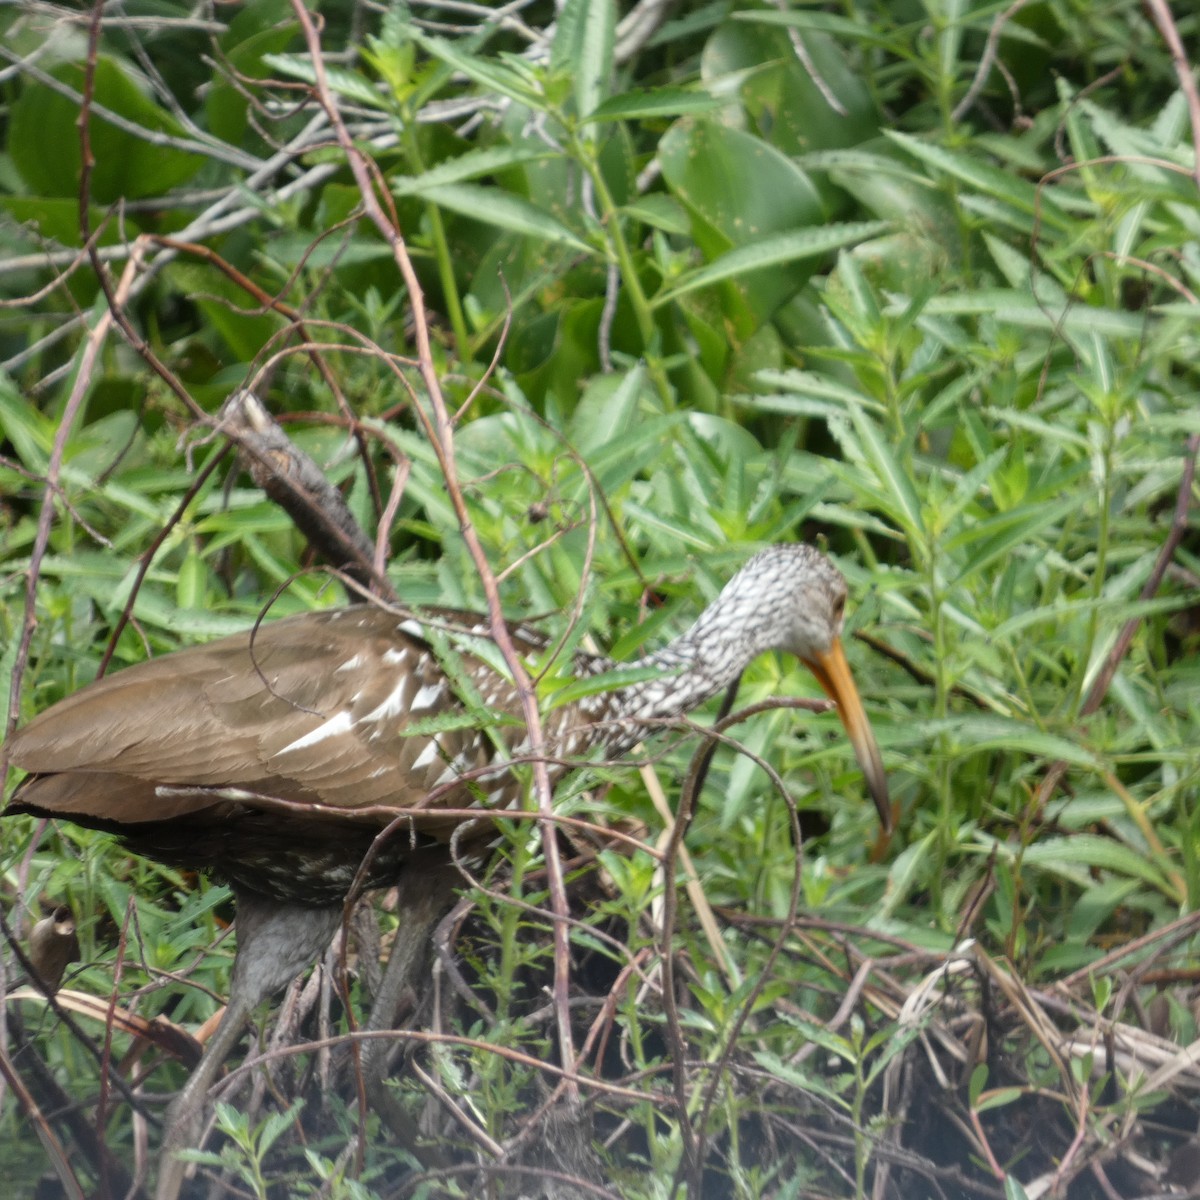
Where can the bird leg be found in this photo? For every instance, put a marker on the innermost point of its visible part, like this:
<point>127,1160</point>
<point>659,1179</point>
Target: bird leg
<point>424,896</point>
<point>275,942</point>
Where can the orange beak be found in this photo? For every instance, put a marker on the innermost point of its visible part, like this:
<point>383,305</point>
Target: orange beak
<point>833,674</point>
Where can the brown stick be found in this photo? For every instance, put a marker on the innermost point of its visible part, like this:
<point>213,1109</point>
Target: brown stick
<point>1183,71</point>
<point>441,432</point>
<point>290,478</point>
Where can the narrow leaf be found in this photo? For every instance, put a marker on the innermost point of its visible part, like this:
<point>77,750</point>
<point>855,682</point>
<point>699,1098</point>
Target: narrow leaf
<point>471,165</point>
<point>998,1098</point>
<point>772,252</point>
<point>609,681</point>
<point>655,102</point>
<point>446,722</point>
<point>494,206</point>
<point>989,180</point>
<point>819,22</point>
<point>342,82</point>
<point>583,46</point>
<point>996,536</point>
<point>896,483</point>
<point>488,73</point>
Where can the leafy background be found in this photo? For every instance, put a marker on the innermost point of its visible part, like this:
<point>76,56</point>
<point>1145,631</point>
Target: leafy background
<point>914,281</point>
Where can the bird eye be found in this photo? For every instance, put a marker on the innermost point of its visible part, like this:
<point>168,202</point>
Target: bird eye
<point>839,609</point>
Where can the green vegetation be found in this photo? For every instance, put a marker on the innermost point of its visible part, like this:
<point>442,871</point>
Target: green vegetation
<point>914,281</point>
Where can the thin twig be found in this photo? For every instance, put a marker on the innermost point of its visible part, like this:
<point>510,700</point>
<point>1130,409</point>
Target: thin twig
<point>987,60</point>
<point>1183,72</point>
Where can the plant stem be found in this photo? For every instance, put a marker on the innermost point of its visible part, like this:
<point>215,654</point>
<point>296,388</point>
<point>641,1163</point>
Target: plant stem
<point>441,248</point>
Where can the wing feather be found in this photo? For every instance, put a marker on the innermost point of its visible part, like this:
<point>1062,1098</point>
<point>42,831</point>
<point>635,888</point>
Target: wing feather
<point>312,709</point>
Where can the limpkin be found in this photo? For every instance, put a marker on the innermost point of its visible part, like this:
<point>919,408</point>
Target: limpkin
<point>273,760</point>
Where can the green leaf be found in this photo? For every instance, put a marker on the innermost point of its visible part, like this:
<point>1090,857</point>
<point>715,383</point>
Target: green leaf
<point>772,252</point>
<point>898,487</point>
<point>31,434</point>
<point>583,48</point>
<point>43,138</point>
<point>488,73</point>
<point>191,590</point>
<point>818,22</point>
<point>989,180</point>
<point>980,734</point>
<point>992,538</point>
<point>1019,308</point>
<point>998,1098</point>
<point>494,206</point>
<point>608,681</point>
<point>341,80</point>
<point>480,717</point>
<point>470,165</point>
<point>258,29</point>
<point>1013,1190</point>
<point>1096,854</point>
<point>275,1124</point>
<point>978,1081</point>
<point>654,102</point>
<point>660,212</point>
<point>739,185</point>
<point>810,392</point>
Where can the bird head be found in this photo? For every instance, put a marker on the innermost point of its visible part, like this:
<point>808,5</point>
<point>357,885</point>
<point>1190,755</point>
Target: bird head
<point>800,597</point>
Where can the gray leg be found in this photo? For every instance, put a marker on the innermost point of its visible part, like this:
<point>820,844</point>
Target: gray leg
<point>424,898</point>
<point>275,943</point>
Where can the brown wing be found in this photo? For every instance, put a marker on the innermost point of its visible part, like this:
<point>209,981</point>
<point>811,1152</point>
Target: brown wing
<point>321,720</point>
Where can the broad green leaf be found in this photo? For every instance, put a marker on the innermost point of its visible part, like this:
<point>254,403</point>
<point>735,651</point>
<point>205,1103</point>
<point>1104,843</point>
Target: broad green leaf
<point>738,184</point>
<point>739,189</point>
<point>834,1088</point>
<point>998,1098</point>
<point>191,590</point>
<point>817,386</point>
<point>660,211</point>
<point>631,449</point>
<point>57,219</point>
<point>1114,609</point>
<point>43,137</point>
<point>978,734</point>
<point>800,97</point>
<point>607,410</point>
<point>248,514</point>
<point>1013,1189</point>
<point>1022,310</point>
<point>862,162</point>
<point>155,609</point>
<point>31,434</point>
<point>256,31</point>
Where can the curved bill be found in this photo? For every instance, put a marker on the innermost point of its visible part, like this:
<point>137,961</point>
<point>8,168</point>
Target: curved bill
<point>833,674</point>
